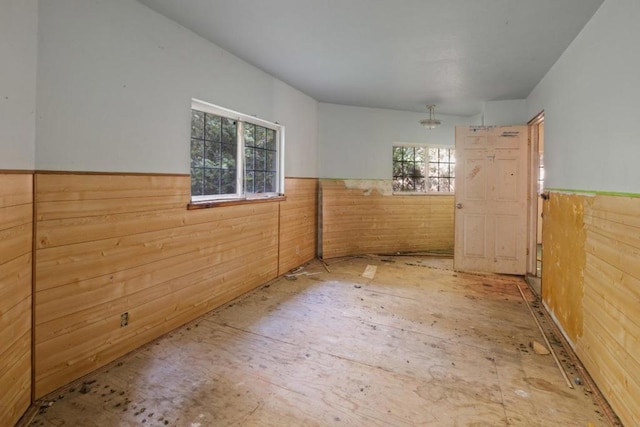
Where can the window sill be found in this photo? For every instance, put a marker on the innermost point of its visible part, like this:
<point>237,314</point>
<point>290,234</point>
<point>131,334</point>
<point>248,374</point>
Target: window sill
<point>233,202</point>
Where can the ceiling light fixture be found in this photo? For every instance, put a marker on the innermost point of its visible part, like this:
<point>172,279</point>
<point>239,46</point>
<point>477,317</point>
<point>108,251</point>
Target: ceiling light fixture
<point>431,122</point>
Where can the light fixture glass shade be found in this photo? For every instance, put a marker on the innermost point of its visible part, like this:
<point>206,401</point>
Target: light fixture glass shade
<point>431,122</point>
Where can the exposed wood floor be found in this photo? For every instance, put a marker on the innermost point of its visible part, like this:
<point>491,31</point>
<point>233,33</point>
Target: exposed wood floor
<point>416,345</point>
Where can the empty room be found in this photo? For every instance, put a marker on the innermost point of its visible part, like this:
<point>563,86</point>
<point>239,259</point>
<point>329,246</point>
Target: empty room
<point>286,212</point>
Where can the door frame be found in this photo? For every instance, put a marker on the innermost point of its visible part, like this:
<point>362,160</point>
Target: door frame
<point>532,197</point>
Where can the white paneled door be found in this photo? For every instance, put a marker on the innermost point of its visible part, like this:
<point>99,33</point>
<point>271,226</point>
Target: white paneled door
<point>491,199</point>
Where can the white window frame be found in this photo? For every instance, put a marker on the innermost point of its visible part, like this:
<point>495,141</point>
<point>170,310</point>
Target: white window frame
<point>426,147</point>
<point>240,119</point>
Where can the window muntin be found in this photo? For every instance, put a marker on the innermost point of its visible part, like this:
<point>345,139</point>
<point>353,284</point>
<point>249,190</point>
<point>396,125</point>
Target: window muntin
<point>214,148</point>
<point>260,156</point>
<point>234,155</point>
<point>409,170</point>
<point>423,169</point>
<point>442,163</point>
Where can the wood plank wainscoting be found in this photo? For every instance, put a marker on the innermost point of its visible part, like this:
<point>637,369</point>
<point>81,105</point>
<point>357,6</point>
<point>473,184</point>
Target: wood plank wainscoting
<point>591,285</point>
<point>298,223</point>
<point>16,228</point>
<point>110,244</point>
<point>364,216</point>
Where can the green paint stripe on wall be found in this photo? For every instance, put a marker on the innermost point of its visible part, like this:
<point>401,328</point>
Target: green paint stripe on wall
<point>593,192</point>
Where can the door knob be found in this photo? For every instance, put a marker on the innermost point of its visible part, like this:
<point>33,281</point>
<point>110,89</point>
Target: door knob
<point>459,205</point>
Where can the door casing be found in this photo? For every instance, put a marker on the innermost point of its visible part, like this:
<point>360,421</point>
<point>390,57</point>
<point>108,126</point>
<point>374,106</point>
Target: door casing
<point>534,140</point>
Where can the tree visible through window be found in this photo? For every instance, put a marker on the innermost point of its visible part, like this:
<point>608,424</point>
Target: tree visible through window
<point>214,148</point>
<point>260,159</point>
<point>423,169</point>
<point>234,155</point>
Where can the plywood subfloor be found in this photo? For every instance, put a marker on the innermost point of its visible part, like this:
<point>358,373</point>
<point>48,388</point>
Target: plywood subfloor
<point>418,344</point>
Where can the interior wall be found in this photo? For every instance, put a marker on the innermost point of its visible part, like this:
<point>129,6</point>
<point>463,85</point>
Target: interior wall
<point>18,50</point>
<point>299,114</point>
<point>505,113</point>
<point>355,142</point>
<point>16,225</point>
<point>112,244</point>
<point>590,99</point>
<point>115,83</point>
<point>610,345</point>
<point>591,284</point>
<point>298,224</point>
<point>564,260</point>
<point>363,216</point>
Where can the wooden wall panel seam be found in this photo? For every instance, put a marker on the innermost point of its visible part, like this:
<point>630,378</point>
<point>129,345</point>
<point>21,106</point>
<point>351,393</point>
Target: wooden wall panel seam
<point>14,216</point>
<point>34,230</point>
<point>16,242</point>
<point>69,210</point>
<point>608,280</point>
<point>95,311</point>
<point>363,220</point>
<point>75,356</point>
<point>128,282</point>
<point>298,224</point>
<point>98,238</point>
<point>96,258</point>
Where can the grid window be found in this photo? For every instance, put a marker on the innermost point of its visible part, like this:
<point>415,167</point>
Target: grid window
<point>260,156</point>
<point>214,147</point>
<point>409,169</point>
<point>423,169</point>
<point>442,163</point>
<point>233,156</point>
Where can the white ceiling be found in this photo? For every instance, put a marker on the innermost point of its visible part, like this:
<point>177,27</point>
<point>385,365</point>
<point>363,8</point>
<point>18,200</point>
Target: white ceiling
<point>397,54</point>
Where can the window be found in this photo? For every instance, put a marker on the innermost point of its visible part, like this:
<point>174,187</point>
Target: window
<point>260,154</point>
<point>540,173</point>
<point>423,169</point>
<point>233,156</point>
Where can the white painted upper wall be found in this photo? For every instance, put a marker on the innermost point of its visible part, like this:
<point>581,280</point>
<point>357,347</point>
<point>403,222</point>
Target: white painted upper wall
<point>115,83</point>
<point>591,100</point>
<point>505,113</point>
<point>18,50</point>
<point>300,116</point>
<point>355,142</point>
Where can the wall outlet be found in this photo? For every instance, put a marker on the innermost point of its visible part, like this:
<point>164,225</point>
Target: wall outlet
<point>124,319</point>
